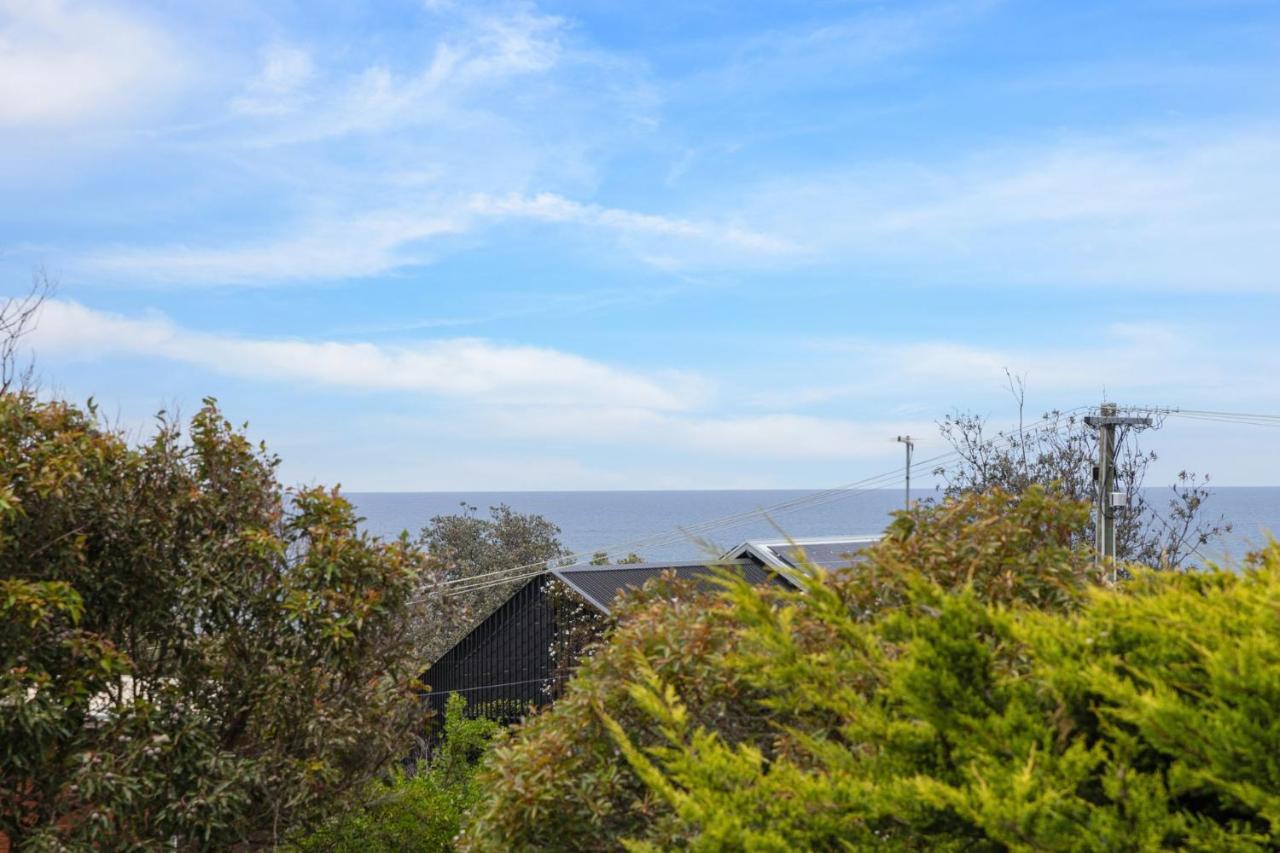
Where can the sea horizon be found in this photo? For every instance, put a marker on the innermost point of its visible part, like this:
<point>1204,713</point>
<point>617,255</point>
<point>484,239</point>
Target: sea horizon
<point>670,524</point>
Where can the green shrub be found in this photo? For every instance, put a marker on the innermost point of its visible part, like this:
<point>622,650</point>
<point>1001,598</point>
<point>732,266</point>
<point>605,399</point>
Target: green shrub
<point>422,811</point>
<point>982,695</point>
<point>190,654</point>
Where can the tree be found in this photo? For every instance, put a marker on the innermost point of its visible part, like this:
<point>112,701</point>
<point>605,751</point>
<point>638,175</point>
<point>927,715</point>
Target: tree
<point>17,316</point>
<point>190,654</point>
<point>601,558</point>
<point>492,551</point>
<point>1060,450</point>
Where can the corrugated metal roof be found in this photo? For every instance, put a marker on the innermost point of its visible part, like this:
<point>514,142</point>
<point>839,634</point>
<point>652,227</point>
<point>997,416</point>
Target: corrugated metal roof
<point>828,552</point>
<point>600,585</point>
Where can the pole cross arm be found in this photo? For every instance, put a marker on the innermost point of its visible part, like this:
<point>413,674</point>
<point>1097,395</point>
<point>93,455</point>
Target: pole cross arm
<point>1116,420</point>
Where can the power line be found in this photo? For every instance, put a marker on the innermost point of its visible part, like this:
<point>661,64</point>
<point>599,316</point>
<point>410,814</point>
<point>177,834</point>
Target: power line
<point>496,686</point>
<point>1251,418</point>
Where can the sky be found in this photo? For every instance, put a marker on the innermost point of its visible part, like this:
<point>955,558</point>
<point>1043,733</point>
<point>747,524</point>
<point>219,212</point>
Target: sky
<point>609,245</point>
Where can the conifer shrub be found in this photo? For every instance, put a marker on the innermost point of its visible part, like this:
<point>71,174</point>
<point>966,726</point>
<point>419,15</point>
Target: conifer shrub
<point>966,686</point>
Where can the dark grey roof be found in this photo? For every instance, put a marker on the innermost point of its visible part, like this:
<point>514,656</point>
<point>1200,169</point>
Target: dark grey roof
<point>827,552</point>
<point>600,585</point>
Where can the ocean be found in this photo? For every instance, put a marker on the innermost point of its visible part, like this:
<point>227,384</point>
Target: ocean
<point>673,525</point>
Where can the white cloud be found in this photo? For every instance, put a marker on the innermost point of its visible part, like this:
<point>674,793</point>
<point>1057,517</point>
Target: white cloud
<point>508,392</point>
<point>471,369</point>
<point>1189,209</point>
<point>558,405</point>
<point>65,64</point>
<point>789,436</point>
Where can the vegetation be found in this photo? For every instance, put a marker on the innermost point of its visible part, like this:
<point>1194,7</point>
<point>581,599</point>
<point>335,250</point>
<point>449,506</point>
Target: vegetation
<point>189,653</point>
<point>967,686</point>
<point>1059,451</point>
<point>192,656</point>
<point>464,546</point>
<point>419,811</point>
<point>601,558</point>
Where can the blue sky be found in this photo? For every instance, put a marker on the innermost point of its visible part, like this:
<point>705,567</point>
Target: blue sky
<point>614,245</point>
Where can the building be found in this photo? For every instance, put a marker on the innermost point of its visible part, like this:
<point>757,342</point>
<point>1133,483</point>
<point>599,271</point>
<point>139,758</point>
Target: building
<point>522,653</point>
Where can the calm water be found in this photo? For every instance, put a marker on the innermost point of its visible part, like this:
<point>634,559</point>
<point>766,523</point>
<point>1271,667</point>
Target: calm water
<point>591,521</point>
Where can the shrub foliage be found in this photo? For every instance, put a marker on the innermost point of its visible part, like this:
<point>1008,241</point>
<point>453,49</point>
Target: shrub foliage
<point>420,811</point>
<point>967,686</point>
<point>189,654</point>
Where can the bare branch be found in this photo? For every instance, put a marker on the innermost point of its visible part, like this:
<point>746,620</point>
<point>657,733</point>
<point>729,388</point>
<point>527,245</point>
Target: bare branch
<point>17,319</point>
<point>1059,452</point>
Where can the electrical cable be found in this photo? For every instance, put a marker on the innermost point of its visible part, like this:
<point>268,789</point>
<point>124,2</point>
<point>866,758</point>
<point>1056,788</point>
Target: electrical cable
<point>1251,418</point>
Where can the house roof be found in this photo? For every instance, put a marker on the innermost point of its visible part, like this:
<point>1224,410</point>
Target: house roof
<point>828,552</point>
<point>600,585</point>
<point>759,561</point>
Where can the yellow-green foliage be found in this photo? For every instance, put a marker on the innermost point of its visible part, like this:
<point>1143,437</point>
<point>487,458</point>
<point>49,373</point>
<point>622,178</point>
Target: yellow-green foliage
<point>988,701</point>
<point>421,811</point>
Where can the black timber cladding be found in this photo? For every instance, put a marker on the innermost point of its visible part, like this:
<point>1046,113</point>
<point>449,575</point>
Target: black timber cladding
<point>506,662</point>
<point>600,585</point>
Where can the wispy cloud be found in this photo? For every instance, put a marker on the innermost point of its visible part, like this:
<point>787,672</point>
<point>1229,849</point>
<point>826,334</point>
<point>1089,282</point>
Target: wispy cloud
<point>1137,360</point>
<point>494,120</point>
<point>1190,208</point>
<point>841,50</point>
<point>481,53</point>
<point>566,406</point>
<point>549,207</point>
<point>382,241</point>
<point>361,246</point>
<point>277,89</point>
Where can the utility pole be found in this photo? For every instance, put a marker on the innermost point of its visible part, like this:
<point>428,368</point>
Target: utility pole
<point>911,445</point>
<point>1104,475</point>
